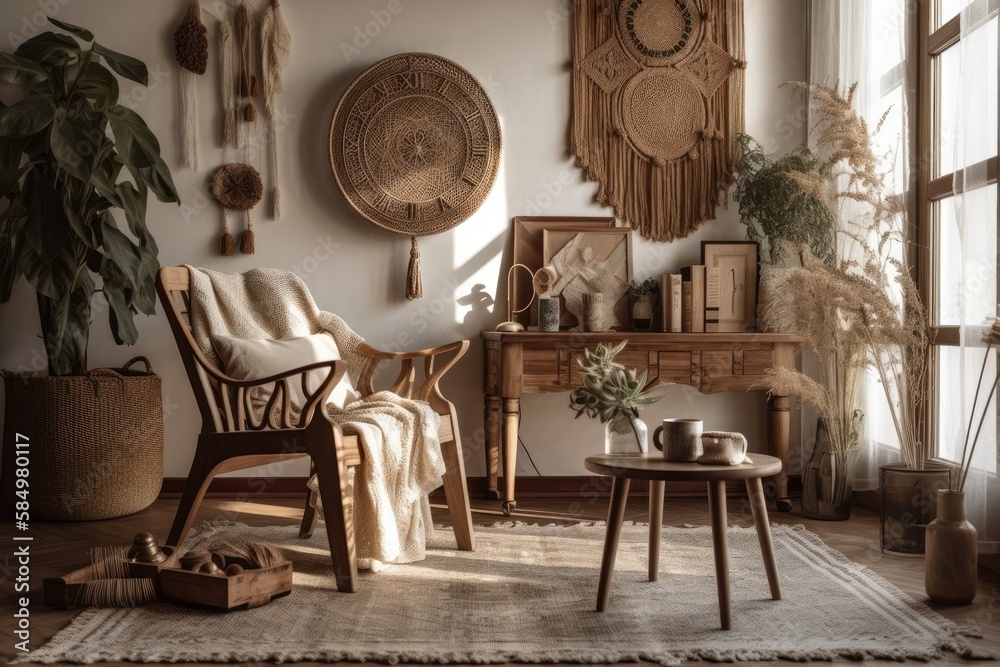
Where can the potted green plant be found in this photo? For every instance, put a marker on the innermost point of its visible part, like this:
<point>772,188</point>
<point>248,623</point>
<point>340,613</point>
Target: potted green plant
<point>644,303</point>
<point>613,394</point>
<point>72,156</point>
<point>778,213</point>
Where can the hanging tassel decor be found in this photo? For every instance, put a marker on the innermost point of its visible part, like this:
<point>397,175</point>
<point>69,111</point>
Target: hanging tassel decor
<point>275,47</point>
<point>237,187</point>
<point>414,284</point>
<point>246,22</point>
<point>226,247</point>
<point>191,51</point>
<point>247,242</point>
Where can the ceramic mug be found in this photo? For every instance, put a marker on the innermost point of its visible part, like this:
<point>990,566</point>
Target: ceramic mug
<point>681,439</point>
<point>723,448</point>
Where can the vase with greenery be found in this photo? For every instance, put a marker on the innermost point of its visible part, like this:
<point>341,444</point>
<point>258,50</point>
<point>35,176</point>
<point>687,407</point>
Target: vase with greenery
<point>864,310</point>
<point>73,155</point>
<point>643,295</point>
<point>613,394</point>
<point>76,169</point>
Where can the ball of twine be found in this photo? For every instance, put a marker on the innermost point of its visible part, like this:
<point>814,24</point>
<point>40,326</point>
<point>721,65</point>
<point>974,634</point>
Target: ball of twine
<point>191,41</point>
<point>237,186</point>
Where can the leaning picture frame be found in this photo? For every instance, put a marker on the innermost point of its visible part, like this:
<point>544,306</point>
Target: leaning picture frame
<point>591,260</point>
<point>529,237</point>
<point>737,284</point>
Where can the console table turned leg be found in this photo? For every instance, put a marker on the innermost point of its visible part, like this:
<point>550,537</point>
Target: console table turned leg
<point>778,430</point>
<point>511,422</point>
<point>491,420</point>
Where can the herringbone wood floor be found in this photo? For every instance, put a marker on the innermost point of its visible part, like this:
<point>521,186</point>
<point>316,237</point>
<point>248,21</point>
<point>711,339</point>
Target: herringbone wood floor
<point>60,547</point>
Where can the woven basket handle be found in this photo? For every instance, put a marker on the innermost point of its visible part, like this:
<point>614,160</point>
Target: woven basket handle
<point>144,360</point>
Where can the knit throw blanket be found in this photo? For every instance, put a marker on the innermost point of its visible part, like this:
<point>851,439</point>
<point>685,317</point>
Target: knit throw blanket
<point>399,437</point>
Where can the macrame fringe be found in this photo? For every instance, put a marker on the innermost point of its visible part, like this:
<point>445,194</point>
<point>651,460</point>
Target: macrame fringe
<point>414,283</point>
<point>189,119</point>
<point>275,49</point>
<point>667,200</point>
<point>230,133</point>
<point>275,202</point>
<point>247,242</point>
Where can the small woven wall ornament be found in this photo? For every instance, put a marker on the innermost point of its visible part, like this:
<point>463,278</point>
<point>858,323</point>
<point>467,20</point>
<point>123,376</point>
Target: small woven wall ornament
<point>415,148</point>
<point>237,187</point>
<point>275,48</point>
<point>191,51</point>
<point>657,104</point>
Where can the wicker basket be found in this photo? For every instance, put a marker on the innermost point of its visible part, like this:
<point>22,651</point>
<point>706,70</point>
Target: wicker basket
<point>95,441</point>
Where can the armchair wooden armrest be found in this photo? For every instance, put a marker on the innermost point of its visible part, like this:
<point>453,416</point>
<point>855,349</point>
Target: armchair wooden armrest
<point>403,385</point>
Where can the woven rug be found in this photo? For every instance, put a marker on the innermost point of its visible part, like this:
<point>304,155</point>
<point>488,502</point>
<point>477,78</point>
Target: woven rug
<point>527,595</point>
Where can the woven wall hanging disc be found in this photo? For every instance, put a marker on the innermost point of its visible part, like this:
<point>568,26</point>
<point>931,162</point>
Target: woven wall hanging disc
<point>415,144</point>
<point>657,104</point>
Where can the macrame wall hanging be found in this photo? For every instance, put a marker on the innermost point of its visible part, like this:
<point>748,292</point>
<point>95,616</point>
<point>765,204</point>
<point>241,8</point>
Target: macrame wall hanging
<point>275,48</point>
<point>415,148</point>
<point>237,186</point>
<point>191,51</point>
<point>657,103</point>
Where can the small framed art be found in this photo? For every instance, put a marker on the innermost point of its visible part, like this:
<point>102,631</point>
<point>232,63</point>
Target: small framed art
<point>731,268</point>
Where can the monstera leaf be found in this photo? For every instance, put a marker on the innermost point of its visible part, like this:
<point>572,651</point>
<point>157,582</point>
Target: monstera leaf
<point>75,221</point>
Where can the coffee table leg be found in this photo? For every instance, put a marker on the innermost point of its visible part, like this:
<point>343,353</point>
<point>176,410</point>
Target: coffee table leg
<point>717,507</point>
<point>757,505</point>
<point>656,489</point>
<point>616,514</point>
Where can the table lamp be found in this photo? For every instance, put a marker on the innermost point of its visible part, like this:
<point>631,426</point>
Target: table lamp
<point>509,325</point>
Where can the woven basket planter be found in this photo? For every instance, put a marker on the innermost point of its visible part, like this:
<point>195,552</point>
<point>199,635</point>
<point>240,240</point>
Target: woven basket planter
<point>95,442</point>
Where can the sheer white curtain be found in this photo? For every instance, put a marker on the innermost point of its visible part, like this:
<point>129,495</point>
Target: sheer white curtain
<point>969,223</point>
<point>869,42</point>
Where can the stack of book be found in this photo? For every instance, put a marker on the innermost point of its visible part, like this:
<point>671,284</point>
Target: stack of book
<point>691,301</point>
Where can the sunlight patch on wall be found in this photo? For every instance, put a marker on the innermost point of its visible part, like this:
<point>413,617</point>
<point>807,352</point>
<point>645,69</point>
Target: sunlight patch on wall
<point>478,253</point>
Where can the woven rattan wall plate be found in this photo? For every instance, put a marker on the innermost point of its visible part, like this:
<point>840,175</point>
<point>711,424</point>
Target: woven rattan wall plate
<point>415,144</point>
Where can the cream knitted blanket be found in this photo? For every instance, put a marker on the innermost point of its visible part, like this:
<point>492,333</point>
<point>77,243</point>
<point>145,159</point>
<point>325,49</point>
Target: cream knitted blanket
<point>402,454</point>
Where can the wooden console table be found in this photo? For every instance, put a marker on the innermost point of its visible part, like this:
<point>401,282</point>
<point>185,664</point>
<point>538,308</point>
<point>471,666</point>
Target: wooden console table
<point>531,362</point>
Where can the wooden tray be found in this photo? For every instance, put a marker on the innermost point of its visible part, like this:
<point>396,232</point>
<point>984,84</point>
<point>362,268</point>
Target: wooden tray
<point>251,589</point>
<point>62,591</point>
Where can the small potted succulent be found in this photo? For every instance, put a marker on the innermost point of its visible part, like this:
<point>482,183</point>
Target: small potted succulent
<point>613,394</point>
<point>644,303</point>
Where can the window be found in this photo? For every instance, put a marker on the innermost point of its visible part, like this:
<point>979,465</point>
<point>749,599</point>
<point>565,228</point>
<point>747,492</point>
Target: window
<point>957,137</point>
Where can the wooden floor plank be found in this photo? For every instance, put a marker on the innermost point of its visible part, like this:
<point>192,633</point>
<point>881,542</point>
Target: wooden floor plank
<point>58,548</point>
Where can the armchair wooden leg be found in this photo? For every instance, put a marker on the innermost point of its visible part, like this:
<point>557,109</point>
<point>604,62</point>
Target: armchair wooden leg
<point>202,471</point>
<point>309,515</point>
<point>456,490</point>
<point>331,472</point>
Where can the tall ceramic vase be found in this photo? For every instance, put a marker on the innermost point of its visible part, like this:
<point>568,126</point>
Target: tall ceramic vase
<point>826,493</point>
<point>624,434</point>
<point>951,552</point>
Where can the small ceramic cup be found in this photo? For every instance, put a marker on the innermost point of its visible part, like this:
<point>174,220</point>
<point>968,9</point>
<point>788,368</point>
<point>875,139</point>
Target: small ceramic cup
<point>723,448</point>
<point>681,439</point>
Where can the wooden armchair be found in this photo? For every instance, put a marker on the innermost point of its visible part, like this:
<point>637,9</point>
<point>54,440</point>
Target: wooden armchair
<point>232,438</point>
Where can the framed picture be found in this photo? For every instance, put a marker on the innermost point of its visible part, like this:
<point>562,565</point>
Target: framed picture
<point>737,286</point>
<point>528,241</point>
<point>591,260</point>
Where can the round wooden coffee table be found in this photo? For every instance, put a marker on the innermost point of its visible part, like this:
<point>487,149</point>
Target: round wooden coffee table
<point>624,468</point>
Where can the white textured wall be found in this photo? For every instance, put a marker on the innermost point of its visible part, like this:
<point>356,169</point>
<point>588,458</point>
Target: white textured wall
<point>519,50</point>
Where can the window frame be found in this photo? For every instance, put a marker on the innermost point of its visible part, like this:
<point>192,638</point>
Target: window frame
<point>931,190</point>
